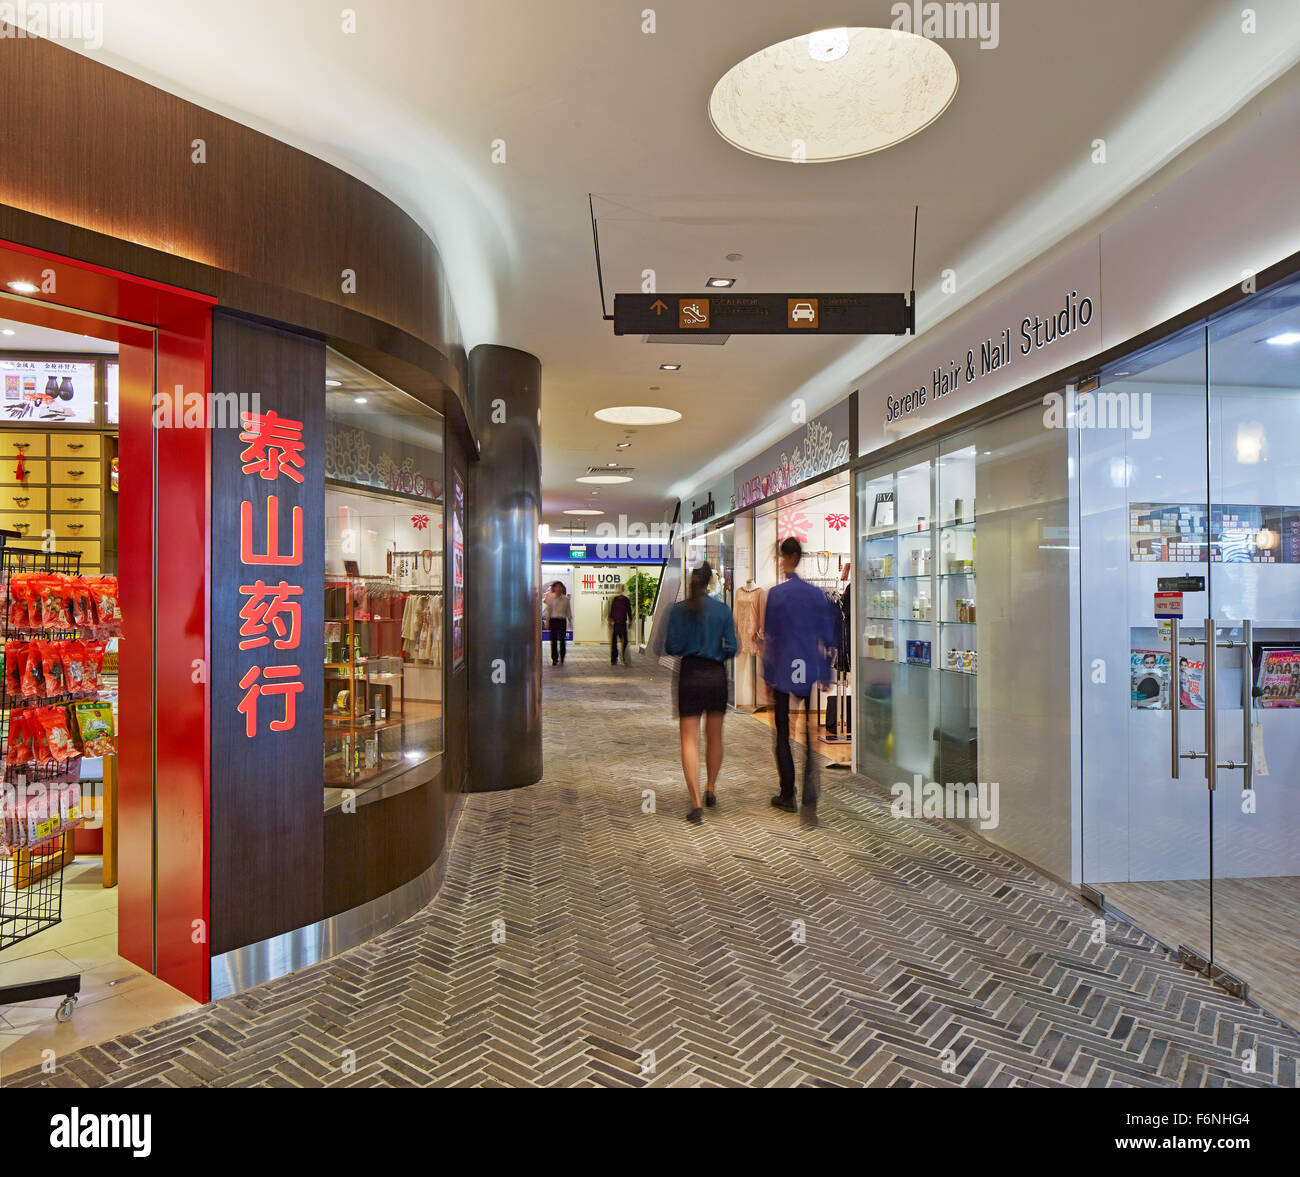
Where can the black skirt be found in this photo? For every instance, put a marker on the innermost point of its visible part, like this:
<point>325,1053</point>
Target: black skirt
<point>701,687</point>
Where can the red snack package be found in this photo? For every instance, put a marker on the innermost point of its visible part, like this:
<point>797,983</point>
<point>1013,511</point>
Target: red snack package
<point>93,655</point>
<point>54,596</point>
<point>103,590</point>
<point>15,664</point>
<point>82,603</point>
<point>19,593</point>
<point>40,738</point>
<point>58,734</point>
<point>73,654</point>
<point>52,667</point>
<point>33,679</point>
<point>20,742</point>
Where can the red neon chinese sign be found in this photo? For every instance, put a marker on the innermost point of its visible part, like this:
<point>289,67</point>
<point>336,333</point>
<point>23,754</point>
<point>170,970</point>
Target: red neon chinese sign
<point>271,616</point>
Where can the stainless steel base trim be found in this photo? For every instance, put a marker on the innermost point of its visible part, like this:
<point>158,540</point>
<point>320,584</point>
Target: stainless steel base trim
<point>255,964</point>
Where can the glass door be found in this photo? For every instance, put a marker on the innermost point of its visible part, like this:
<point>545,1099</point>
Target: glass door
<point>1252,688</point>
<point>1140,451</point>
<point>1191,810</point>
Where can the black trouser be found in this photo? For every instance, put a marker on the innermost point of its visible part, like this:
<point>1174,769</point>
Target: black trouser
<point>559,628</point>
<point>784,758</point>
<point>617,634</point>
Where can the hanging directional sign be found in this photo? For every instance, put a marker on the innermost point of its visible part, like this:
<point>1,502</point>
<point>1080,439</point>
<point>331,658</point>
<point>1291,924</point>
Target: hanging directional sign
<point>762,314</point>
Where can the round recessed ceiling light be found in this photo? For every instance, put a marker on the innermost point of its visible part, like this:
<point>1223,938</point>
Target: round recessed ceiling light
<point>333,383</point>
<point>7,331</point>
<point>359,400</point>
<point>834,94</point>
<point>637,415</point>
<point>604,479</point>
<point>23,287</point>
<point>580,512</point>
<point>735,257</point>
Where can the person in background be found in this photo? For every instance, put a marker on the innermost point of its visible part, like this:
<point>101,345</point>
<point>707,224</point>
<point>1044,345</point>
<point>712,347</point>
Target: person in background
<point>702,633</point>
<point>620,613</point>
<point>557,609</point>
<point>799,628</point>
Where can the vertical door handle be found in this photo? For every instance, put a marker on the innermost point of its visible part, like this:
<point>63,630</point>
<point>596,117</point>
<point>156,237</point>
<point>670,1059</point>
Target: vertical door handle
<point>1211,752</point>
<point>1247,704</point>
<point>1174,756</point>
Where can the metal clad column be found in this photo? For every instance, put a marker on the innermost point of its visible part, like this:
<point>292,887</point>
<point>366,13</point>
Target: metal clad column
<point>504,571</point>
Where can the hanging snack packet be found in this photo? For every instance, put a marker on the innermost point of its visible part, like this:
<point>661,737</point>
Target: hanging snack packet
<point>73,654</point>
<point>103,590</point>
<point>93,655</point>
<point>33,680</point>
<point>40,737</point>
<point>95,723</point>
<point>82,603</point>
<point>15,664</point>
<point>19,594</point>
<point>52,668</point>
<point>20,741</point>
<point>54,602</point>
<point>58,736</point>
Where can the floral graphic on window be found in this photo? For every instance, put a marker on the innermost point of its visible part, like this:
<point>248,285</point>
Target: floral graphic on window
<point>836,522</point>
<point>791,521</point>
<point>419,522</point>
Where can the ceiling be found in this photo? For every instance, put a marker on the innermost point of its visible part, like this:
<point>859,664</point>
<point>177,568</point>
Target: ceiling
<point>16,336</point>
<point>417,98</point>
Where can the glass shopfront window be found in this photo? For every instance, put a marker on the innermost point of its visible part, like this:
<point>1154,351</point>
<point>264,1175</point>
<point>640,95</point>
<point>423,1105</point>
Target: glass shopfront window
<point>384,584</point>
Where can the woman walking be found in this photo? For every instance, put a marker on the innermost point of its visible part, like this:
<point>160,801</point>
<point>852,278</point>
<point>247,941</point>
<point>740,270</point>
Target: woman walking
<point>702,633</point>
<point>557,609</point>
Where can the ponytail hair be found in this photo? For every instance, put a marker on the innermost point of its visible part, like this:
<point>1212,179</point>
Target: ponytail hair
<point>698,588</point>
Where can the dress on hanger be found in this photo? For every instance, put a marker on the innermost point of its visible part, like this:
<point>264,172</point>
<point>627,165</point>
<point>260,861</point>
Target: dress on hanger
<point>750,604</point>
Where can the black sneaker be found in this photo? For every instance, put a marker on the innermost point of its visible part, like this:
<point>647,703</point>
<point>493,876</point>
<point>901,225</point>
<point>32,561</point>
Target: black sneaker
<point>711,799</point>
<point>696,815</point>
<point>781,801</point>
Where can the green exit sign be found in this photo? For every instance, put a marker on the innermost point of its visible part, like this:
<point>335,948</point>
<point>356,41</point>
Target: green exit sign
<point>577,553</point>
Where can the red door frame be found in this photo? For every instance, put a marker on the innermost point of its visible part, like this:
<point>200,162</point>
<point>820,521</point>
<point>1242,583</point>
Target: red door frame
<point>164,507</point>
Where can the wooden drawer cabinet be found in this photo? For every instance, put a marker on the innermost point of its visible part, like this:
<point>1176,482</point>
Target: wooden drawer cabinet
<point>74,472</point>
<point>36,472</point>
<point>13,443</point>
<point>89,548</point>
<point>23,498</point>
<point>72,498</point>
<point>76,526</point>
<point>29,524</point>
<point>76,445</point>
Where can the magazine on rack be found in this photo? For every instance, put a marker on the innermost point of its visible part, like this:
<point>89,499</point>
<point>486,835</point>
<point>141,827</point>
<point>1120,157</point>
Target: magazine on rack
<point>1149,679</point>
<point>1277,676</point>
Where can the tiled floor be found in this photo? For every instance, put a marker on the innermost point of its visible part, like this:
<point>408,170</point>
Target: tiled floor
<point>587,936</point>
<point>116,996</point>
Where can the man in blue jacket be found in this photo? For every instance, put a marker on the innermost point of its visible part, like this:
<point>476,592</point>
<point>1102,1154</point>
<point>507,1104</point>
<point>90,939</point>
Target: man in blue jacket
<point>799,631</point>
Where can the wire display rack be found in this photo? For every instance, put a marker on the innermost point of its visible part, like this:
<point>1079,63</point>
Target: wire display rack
<point>34,839</point>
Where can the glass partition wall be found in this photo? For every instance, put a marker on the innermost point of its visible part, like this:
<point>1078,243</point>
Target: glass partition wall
<point>1191,729</point>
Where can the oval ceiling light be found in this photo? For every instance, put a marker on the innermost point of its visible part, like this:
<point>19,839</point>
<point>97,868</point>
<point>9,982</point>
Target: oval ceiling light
<point>584,512</point>
<point>833,94</point>
<point>637,415</point>
<point>604,479</point>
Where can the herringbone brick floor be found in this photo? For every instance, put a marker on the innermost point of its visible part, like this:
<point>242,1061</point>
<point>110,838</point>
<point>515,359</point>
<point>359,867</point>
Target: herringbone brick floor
<point>751,951</point>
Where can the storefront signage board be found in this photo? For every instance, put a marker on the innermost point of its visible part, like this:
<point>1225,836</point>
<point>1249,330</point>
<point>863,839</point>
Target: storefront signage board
<point>816,448</point>
<point>1046,323</point>
<point>1169,605</point>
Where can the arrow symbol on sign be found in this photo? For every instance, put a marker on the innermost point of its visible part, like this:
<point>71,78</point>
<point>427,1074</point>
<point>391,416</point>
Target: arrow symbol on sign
<point>658,306</point>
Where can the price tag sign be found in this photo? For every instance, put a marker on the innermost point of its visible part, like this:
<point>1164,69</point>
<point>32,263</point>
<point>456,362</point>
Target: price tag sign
<point>1169,605</point>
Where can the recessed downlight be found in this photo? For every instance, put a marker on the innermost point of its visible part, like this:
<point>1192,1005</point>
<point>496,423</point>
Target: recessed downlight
<point>622,445</point>
<point>21,287</point>
<point>605,479</point>
<point>637,415</point>
<point>670,367</point>
<point>359,400</point>
<point>8,331</point>
<point>584,512</point>
<point>333,383</point>
<point>833,94</point>
<point>721,282</point>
